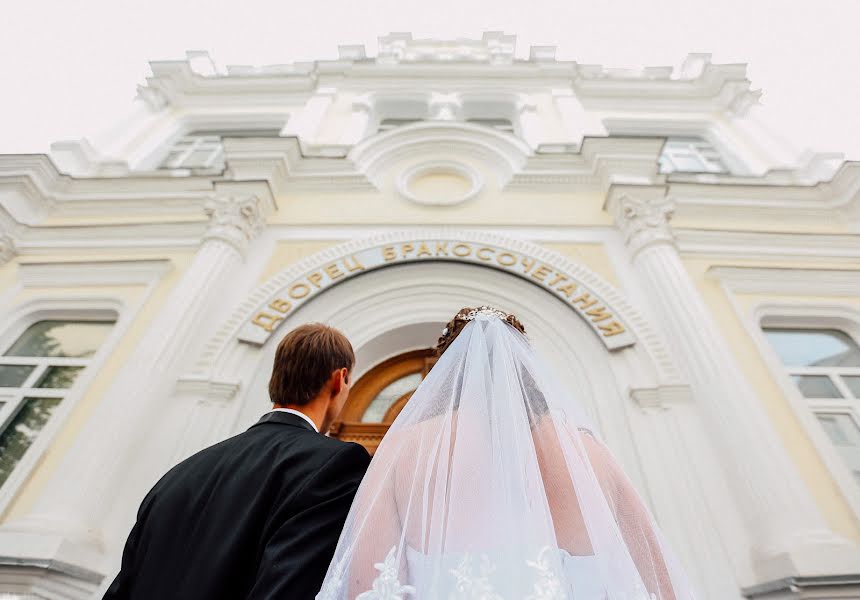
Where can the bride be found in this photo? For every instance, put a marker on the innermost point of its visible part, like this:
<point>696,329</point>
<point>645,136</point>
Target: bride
<point>492,485</point>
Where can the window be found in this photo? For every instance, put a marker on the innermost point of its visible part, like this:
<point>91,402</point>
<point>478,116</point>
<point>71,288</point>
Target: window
<point>389,124</point>
<point>825,367</point>
<point>202,149</point>
<point>195,152</point>
<point>690,155</point>
<point>505,125</point>
<point>36,372</point>
<point>378,397</point>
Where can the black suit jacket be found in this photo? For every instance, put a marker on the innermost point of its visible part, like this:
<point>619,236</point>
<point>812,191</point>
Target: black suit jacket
<point>257,516</point>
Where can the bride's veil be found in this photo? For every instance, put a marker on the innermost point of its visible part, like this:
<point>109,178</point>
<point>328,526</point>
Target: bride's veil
<point>492,484</point>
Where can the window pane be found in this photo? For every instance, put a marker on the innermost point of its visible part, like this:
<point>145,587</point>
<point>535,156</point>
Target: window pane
<point>236,133</point>
<point>853,383</point>
<point>388,396</point>
<point>387,124</point>
<point>22,432</point>
<point>172,160</point>
<point>502,124</point>
<point>59,377</point>
<point>816,386</point>
<point>198,159</point>
<point>688,164</point>
<point>814,347</point>
<point>841,429</point>
<point>74,339</point>
<point>691,155</point>
<point>14,375</point>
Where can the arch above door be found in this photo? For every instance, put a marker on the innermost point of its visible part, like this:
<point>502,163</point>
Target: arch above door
<point>605,310</point>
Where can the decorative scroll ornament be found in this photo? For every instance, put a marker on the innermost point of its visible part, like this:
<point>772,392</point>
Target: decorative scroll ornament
<point>644,221</point>
<point>234,220</point>
<point>387,586</point>
<point>8,251</point>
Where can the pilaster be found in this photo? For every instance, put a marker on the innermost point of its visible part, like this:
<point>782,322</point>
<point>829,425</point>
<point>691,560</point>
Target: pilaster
<point>787,533</point>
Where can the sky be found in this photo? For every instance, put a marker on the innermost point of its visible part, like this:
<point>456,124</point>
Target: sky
<point>70,67</point>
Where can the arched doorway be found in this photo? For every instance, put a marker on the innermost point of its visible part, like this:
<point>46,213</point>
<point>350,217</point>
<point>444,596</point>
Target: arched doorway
<point>378,397</point>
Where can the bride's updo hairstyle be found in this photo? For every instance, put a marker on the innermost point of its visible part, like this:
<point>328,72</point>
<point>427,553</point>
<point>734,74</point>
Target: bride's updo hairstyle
<point>461,319</point>
<point>536,405</point>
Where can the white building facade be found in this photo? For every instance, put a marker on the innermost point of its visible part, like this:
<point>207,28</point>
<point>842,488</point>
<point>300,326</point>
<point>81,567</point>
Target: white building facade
<point>694,282</point>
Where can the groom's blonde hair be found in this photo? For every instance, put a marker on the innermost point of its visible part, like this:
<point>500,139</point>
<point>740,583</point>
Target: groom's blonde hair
<point>304,361</point>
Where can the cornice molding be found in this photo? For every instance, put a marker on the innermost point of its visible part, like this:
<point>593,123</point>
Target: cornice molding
<point>818,282</point>
<point>768,246</point>
<point>157,210</point>
<point>827,202</point>
<point>420,64</point>
<point>101,272</point>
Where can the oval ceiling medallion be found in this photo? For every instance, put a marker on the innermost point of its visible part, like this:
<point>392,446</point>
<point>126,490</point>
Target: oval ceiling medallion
<point>439,183</point>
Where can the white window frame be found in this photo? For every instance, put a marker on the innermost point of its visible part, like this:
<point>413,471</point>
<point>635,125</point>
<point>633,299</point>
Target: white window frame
<point>793,316</point>
<point>382,127</point>
<point>495,123</point>
<point>692,145</point>
<point>195,143</point>
<point>736,158</point>
<point>60,309</point>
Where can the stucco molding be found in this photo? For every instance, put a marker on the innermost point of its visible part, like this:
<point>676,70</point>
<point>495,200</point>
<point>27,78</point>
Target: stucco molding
<point>697,85</point>
<point>226,335</point>
<point>235,220</point>
<point>8,251</point>
<point>642,216</point>
<point>92,273</point>
<point>407,178</point>
<point>801,282</point>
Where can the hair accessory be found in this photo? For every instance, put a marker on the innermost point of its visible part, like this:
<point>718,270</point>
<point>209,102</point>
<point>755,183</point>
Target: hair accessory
<point>485,311</point>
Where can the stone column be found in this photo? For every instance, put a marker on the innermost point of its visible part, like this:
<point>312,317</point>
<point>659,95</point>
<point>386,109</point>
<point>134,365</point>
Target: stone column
<point>787,532</point>
<point>65,525</point>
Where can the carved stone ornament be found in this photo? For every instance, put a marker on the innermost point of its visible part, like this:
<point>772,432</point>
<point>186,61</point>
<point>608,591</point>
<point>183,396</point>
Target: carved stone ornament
<point>8,251</point>
<point>235,220</point>
<point>643,221</point>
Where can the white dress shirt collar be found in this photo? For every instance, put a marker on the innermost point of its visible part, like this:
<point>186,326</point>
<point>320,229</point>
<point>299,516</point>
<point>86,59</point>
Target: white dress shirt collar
<point>299,414</point>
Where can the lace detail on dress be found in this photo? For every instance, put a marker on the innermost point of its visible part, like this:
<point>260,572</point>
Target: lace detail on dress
<point>548,585</point>
<point>471,585</point>
<point>387,586</point>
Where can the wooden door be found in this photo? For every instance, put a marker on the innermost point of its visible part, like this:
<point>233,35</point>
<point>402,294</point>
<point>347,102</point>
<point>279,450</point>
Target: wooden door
<point>378,397</point>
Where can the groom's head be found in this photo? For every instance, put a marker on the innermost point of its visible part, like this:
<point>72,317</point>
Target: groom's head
<point>312,372</point>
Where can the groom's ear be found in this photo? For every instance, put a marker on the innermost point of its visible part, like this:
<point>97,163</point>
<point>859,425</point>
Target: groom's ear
<point>338,380</point>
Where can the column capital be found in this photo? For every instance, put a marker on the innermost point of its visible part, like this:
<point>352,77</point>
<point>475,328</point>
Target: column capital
<point>8,251</point>
<point>642,215</point>
<point>235,219</point>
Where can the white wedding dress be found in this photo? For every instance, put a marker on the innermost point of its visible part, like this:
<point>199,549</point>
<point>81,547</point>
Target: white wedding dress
<point>486,574</point>
<point>490,485</point>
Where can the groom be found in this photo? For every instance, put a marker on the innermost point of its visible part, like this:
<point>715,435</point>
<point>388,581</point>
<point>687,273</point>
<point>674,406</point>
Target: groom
<point>256,516</point>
